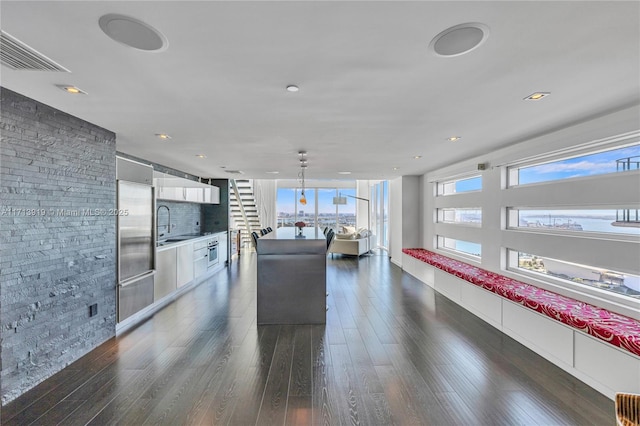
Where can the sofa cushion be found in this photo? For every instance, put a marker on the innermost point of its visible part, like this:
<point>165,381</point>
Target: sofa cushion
<point>362,233</point>
<point>348,230</point>
<point>349,236</point>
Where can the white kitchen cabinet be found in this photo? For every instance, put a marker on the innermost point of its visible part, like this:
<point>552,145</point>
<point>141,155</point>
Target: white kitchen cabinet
<point>184,264</point>
<point>215,195</point>
<point>179,189</point>
<point>195,195</point>
<point>223,248</point>
<point>165,279</point>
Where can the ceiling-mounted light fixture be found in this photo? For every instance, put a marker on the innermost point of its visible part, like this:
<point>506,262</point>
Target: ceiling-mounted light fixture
<point>453,138</point>
<point>71,89</point>
<point>292,88</point>
<point>536,96</point>
<point>163,136</point>
<point>303,167</point>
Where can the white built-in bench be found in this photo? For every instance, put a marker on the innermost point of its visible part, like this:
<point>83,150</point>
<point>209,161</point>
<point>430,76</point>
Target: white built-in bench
<point>600,347</point>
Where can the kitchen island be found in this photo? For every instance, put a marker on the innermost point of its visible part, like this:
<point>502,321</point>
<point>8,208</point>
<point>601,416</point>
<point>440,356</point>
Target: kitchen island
<point>292,277</point>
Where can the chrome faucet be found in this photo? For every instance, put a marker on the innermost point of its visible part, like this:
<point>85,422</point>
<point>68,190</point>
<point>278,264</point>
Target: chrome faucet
<point>168,220</point>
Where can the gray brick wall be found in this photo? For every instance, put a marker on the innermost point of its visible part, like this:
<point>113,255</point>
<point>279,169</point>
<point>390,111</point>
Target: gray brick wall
<point>56,259</point>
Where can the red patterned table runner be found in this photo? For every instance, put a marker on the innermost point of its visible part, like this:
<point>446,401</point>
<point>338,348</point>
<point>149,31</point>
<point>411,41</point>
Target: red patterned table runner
<point>613,328</point>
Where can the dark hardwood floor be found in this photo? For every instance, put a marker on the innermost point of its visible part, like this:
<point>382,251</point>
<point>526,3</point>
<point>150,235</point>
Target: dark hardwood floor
<point>392,352</point>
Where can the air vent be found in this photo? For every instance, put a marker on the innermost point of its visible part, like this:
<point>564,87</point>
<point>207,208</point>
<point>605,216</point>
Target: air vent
<point>234,172</point>
<point>19,56</point>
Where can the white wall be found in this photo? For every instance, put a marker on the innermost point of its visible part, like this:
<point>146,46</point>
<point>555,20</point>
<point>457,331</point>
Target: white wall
<point>395,220</point>
<point>411,212</point>
<point>405,215</point>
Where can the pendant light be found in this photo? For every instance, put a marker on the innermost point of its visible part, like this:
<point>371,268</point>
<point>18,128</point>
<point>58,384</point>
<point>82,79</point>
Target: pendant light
<point>303,167</point>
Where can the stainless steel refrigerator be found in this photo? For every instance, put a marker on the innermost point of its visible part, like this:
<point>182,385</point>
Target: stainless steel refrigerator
<point>136,237</point>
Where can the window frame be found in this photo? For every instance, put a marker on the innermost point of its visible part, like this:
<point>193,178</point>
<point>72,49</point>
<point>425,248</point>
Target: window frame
<point>563,285</point>
<point>511,216</point>
<point>440,184</point>
<point>440,213</point>
<point>440,240</point>
<point>592,148</point>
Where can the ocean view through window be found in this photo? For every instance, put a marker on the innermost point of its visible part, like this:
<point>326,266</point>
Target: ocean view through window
<point>577,274</point>
<point>464,216</point>
<point>585,220</point>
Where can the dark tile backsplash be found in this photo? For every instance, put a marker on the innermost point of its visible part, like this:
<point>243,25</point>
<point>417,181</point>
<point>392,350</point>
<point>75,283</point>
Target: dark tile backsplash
<point>185,218</point>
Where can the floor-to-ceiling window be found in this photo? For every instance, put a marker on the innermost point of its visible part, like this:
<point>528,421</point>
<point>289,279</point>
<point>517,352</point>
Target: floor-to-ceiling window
<point>379,204</point>
<point>319,209</point>
<point>346,213</point>
<point>286,206</point>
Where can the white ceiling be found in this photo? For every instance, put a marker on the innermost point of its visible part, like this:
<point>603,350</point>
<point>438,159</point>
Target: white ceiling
<point>372,96</point>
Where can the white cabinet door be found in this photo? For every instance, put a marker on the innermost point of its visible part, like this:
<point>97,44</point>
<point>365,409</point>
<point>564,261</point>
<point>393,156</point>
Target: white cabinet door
<point>170,193</point>
<point>215,195</point>
<point>195,195</point>
<point>185,264</point>
<point>222,248</point>
<point>165,279</point>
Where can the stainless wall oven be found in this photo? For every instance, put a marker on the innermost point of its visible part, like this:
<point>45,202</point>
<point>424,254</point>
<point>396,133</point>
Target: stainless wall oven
<point>212,252</point>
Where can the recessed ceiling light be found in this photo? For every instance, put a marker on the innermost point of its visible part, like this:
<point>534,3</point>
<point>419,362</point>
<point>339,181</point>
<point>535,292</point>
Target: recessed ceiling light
<point>453,138</point>
<point>274,172</point>
<point>201,156</point>
<point>292,88</point>
<point>71,89</point>
<point>344,173</point>
<point>537,96</point>
<point>417,157</point>
<point>132,32</point>
<point>459,39</point>
<point>396,168</point>
<point>163,136</point>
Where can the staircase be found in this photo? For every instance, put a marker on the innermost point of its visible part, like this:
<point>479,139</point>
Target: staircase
<point>243,210</point>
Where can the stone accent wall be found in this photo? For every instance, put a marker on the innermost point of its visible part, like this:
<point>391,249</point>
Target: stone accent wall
<point>58,240</point>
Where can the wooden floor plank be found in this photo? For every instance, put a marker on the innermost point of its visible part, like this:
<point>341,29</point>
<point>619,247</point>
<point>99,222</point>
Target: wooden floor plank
<point>392,352</point>
<point>274,402</point>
